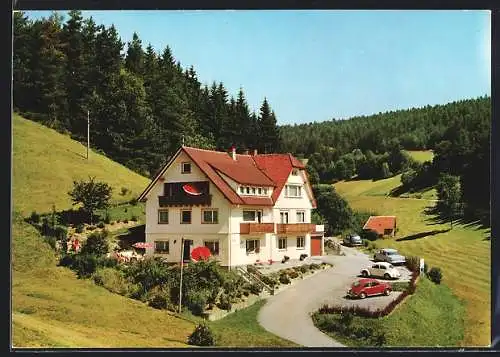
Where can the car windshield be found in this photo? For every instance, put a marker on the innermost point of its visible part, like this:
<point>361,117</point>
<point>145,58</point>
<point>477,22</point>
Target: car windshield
<point>390,253</point>
<point>390,266</point>
<point>356,283</point>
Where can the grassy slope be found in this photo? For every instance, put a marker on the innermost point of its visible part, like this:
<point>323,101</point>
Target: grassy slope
<point>52,308</point>
<point>424,155</point>
<point>45,163</point>
<point>431,311</point>
<point>462,253</point>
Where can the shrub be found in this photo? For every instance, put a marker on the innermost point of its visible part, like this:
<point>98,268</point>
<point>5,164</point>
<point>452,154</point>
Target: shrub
<point>85,264</point>
<point>196,301</point>
<point>34,218</point>
<point>133,201</point>
<point>113,280</point>
<point>124,191</point>
<point>304,269</point>
<point>202,336</point>
<point>96,244</point>
<point>255,289</point>
<point>79,228</point>
<point>51,241</point>
<point>90,228</point>
<point>284,279</point>
<point>370,235</point>
<point>293,274</point>
<point>107,218</point>
<point>270,280</point>
<point>435,275</point>
<point>400,286</point>
<point>314,266</point>
<point>134,218</point>
<point>225,303</point>
<point>159,298</point>
<point>100,225</point>
<point>413,263</point>
<point>125,221</point>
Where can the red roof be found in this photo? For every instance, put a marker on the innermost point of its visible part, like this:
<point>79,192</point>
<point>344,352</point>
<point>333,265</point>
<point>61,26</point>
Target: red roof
<point>271,170</point>
<point>379,223</point>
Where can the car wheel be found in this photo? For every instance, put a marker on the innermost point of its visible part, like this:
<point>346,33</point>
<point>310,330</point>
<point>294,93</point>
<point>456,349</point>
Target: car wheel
<point>387,292</point>
<point>365,274</point>
<point>387,276</point>
<point>362,295</point>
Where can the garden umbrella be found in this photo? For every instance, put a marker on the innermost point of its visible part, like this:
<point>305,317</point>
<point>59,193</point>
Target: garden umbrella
<point>142,245</point>
<point>200,253</point>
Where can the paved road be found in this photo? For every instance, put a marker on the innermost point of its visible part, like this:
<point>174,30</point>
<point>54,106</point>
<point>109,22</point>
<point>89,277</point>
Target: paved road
<point>287,314</point>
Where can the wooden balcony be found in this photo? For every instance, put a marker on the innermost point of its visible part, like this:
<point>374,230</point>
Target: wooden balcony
<point>295,228</point>
<point>255,228</point>
<point>185,200</point>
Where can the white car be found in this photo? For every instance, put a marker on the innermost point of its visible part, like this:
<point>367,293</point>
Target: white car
<point>383,270</point>
<point>390,256</point>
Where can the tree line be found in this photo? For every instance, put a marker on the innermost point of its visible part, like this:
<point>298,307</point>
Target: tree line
<point>143,105</point>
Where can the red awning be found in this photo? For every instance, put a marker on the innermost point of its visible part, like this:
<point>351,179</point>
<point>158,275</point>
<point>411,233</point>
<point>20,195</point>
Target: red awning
<point>191,190</point>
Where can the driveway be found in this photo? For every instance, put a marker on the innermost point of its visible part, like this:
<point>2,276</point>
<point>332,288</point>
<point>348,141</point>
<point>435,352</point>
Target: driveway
<point>287,314</point>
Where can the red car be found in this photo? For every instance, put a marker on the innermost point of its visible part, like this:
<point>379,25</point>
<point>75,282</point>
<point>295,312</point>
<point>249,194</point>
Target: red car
<point>368,287</point>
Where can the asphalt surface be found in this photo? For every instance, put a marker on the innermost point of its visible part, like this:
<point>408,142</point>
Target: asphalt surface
<point>287,314</point>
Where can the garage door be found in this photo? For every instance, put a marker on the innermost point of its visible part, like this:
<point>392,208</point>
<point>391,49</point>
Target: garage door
<point>316,246</point>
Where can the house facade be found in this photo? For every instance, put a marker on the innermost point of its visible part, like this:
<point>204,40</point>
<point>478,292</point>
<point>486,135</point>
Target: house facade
<point>244,208</point>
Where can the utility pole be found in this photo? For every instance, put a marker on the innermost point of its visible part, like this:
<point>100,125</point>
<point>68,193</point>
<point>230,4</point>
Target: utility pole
<point>88,133</point>
<point>182,266</point>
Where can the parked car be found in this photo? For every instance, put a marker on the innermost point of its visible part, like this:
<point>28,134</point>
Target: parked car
<point>368,287</point>
<point>352,240</point>
<point>389,255</point>
<point>383,269</point>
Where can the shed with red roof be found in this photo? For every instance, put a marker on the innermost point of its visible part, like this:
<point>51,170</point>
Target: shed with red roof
<point>383,225</point>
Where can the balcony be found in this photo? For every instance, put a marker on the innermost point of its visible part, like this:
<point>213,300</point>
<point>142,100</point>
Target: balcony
<point>184,200</point>
<point>295,228</point>
<point>252,228</point>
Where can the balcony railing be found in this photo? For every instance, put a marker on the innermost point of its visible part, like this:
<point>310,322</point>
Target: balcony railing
<point>184,200</point>
<point>251,228</point>
<point>295,228</point>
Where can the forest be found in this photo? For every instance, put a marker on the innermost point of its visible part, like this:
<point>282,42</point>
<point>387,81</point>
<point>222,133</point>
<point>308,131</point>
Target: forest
<point>143,105</point>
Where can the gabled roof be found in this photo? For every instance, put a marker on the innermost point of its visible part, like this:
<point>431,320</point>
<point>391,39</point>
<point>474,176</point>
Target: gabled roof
<point>379,223</point>
<point>271,170</point>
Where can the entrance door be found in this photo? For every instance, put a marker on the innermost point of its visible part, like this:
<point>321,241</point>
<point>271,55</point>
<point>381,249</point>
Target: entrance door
<point>316,246</point>
<point>187,250</point>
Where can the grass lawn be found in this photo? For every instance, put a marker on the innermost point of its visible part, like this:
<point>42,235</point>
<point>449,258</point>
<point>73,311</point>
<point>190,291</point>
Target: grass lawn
<point>422,320</point>
<point>422,155</point>
<point>241,329</point>
<point>45,163</point>
<point>463,253</point>
<point>52,308</point>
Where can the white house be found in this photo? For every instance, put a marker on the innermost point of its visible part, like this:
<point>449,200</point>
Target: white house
<point>245,208</point>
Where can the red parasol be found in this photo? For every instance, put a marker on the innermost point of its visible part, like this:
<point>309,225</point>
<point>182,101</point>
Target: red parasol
<point>200,253</point>
<point>191,190</point>
<point>142,245</point>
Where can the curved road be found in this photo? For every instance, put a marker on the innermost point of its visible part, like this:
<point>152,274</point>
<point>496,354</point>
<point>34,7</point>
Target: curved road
<point>287,314</point>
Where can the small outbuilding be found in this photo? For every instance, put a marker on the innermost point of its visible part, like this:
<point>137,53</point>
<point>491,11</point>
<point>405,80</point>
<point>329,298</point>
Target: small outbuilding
<point>383,225</point>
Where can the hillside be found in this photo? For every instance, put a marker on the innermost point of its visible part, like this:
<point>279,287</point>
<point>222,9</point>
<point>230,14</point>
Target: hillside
<point>45,163</point>
<point>463,253</point>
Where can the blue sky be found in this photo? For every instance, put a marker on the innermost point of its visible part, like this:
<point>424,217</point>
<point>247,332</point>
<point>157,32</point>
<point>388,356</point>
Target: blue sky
<point>320,65</point>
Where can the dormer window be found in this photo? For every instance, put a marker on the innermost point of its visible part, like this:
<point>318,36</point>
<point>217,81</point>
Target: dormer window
<point>186,167</point>
<point>242,189</point>
<point>295,172</point>
<point>248,190</point>
<point>253,190</point>
<point>264,191</point>
<point>259,190</point>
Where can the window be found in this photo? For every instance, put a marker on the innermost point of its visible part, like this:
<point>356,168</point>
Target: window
<point>253,190</point>
<point>284,217</point>
<point>249,216</point>
<point>186,167</point>
<point>301,242</point>
<point>248,190</point>
<point>213,246</point>
<point>242,189</point>
<point>301,217</point>
<point>282,243</point>
<point>295,172</point>
<point>259,190</point>
<point>210,216</point>
<point>163,216</point>
<point>293,191</point>
<point>253,246</point>
<point>161,246</point>
<point>264,190</point>
<point>185,217</point>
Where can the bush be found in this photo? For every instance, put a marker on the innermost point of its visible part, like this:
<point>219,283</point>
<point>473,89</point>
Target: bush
<point>134,218</point>
<point>90,228</point>
<point>314,266</point>
<point>255,289</point>
<point>96,244</point>
<point>284,279</point>
<point>435,275</point>
<point>79,228</point>
<point>400,286</point>
<point>293,274</point>
<point>124,191</point>
<point>34,218</point>
<point>225,303</point>
<point>125,221</point>
<point>196,301</point>
<point>107,218</point>
<point>159,298</point>
<point>51,241</point>
<point>114,280</point>
<point>270,280</point>
<point>100,225</point>
<point>370,235</point>
<point>413,263</point>
<point>202,336</point>
<point>304,269</point>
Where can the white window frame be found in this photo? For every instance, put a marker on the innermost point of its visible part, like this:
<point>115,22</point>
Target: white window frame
<point>300,213</point>
<point>282,243</point>
<point>284,214</point>
<point>183,168</point>
<point>242,190</point>
<point>298,188</point>
<point>212,221</point>
<point>303,245</point>
<point>187,210</point>
<point>256,246</point>
<point>256,216</point>
<point>161,210</point>
<point>163,251</point>
<point>214,242</point>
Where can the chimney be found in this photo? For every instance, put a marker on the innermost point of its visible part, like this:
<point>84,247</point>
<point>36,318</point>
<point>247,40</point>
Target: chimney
<point>233,152</point>
<point>254,152</point>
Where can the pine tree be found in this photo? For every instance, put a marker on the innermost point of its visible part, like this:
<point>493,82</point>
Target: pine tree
<point>135,56</point>
<point>270,136</point>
